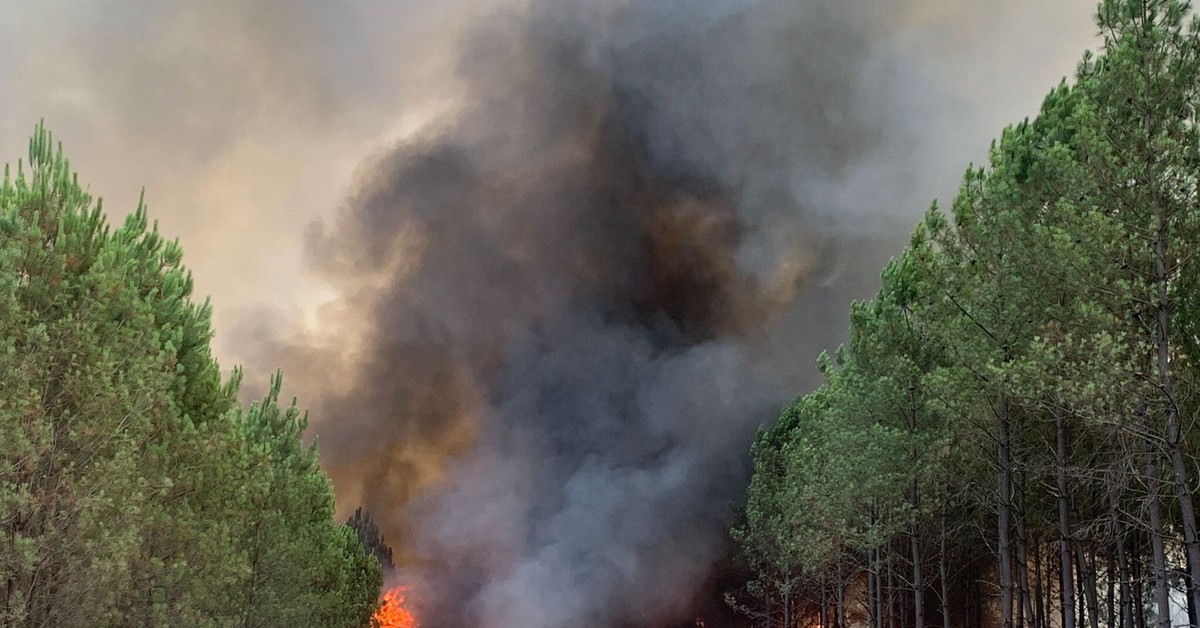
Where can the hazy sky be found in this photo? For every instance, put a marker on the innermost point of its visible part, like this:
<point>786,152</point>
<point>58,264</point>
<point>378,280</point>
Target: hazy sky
<point>244,120</point>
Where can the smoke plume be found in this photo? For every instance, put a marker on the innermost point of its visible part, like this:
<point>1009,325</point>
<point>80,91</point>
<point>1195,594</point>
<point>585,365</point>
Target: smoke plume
<point>607,249</point>
<point>575,298</point>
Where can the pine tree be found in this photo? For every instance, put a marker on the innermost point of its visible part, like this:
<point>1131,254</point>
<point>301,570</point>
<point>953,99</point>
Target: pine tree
<point>1043,334</point>
<point>134,491</point>
<point>87,372</point>
<point>367,531</point>
<point>297,558</point>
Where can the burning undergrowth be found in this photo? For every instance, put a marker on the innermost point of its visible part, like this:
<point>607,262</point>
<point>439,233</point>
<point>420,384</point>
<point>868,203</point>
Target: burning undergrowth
<point>392,612</point>
<point>566,307</point>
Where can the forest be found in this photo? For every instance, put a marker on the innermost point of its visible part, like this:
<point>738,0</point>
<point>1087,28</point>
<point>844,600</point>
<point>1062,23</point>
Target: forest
<point>135,490</point>
<point>1008,436</point>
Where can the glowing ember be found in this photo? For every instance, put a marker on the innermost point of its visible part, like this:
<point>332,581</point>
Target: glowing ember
<point>391,613</point>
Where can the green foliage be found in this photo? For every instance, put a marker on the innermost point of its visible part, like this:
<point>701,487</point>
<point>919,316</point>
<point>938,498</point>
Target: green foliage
<point>133,488</point>
<point>352,585</point>
<point>1041,334</point>
<point>368,533</point>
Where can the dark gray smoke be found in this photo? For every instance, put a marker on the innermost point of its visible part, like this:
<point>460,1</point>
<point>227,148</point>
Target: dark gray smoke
<point>561,310</point>
<point>577,297</point>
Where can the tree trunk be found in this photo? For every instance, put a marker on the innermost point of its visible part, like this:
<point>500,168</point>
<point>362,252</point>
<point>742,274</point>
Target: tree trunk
<point>914,498</point>
<point>1162,600</point>
<point>824,602</point>
<point>942,575</point>
<point>1024,604</point>
<point>841,597</point>
<point>1139,617</point>
<point>1066,585</point>
<point>1004,512</point>
<point>891,593</point>
<point>1127,599</point>
<point>1193,611</point>
<point>871,586</point>
<point>969,597</point>
<point>1111,586</point>
<point>1080,594</point>
<point>977,619</point>
<point>878,611</point>
<point>1087,586</point>
<point>918,582</point>
<point>1039,618</point>
<point>1093,585</point>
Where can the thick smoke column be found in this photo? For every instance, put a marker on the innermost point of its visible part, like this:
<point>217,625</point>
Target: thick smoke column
<point>576,289</point>
<point>571,302</point>
<point>562,309</point>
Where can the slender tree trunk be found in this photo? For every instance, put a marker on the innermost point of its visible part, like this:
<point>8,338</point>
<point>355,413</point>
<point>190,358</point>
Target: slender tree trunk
<point>891,592</point>
<point>1039,618</point>
<point>824,601</point>
<point>872,584</point>
<point>1022,588</point>
<point>977,596</point>
<point>1053,595</point>
<point>1193,612</point>
<point>1162,598</point>
<point>1136,573</point>
<point>841,597</point>
<point>878,588</point>
<point>1127,599</point>
<point>942,571</point>
<point>1092,560</point>
<point>842,606</point>
<point>969,597</point>
<point>1066,586</point>
<point>1080,592</point>
<point>879,608</point>
<point>1111,586</point>
<point>1004,512</point>
<point>918,583</point>
<point>1024,604</point>
<point>1087,585</point>
<point>914,498</point>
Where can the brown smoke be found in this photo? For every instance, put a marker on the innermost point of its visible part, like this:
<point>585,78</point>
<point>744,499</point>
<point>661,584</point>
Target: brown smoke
<point>606,246</point>
<point>576,298</point>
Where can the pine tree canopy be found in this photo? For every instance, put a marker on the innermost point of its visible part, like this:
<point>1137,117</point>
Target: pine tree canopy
<point>134,489</point>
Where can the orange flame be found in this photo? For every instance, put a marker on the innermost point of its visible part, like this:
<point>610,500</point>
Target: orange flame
<point>391,612</point>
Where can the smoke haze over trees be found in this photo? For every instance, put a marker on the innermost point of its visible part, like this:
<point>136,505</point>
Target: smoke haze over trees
<point>592,246</point>
<point>568,305</point>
